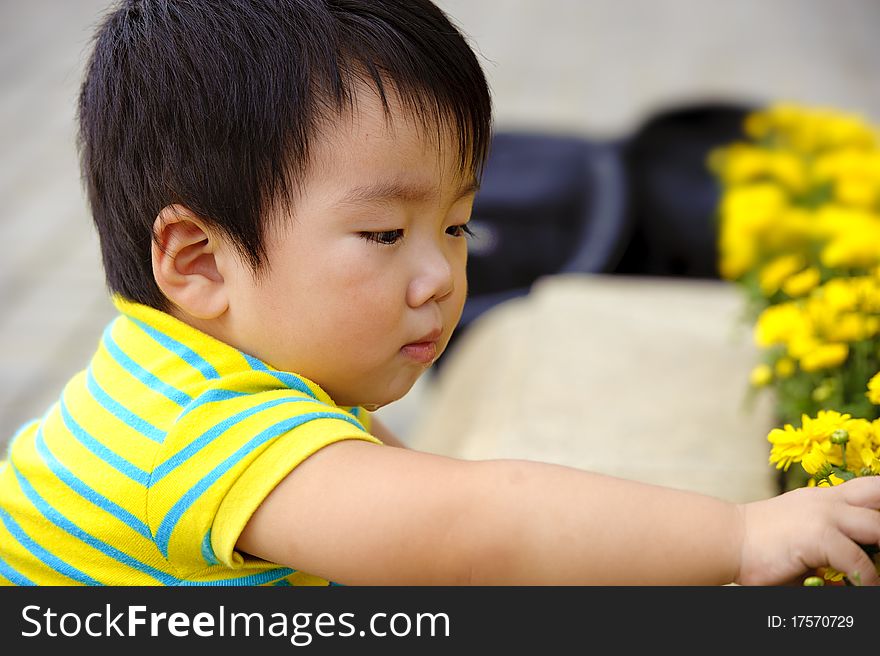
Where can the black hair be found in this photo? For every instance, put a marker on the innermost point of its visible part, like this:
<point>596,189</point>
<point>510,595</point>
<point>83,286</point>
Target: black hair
<point>215,104</point>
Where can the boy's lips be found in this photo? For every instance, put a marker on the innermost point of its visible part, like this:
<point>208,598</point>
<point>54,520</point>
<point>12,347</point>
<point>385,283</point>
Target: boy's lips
<point>423,350</point>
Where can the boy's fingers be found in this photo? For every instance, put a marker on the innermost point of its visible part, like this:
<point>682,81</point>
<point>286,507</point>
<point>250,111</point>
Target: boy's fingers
<point>846,556</point>
<point>860,524</point>
<point>863,491</point>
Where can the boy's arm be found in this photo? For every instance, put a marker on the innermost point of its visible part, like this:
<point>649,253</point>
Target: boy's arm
<point>360,514</point>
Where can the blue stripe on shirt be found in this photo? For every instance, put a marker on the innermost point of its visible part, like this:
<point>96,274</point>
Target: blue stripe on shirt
<point>136,370</point>
<point>49,559</point>
<point>163,577</point>
<point>251,579</point>
<point>62,522</point>
<point>211,396</point>
<point>180,349</point>
<point>66,476</point>
<point>163,533</point>
<point>179,458</point>
<point>113,459</point>
<point>12,575</point>
<point>207,550</point>
<point>122,413</point>
<point>291,381</point>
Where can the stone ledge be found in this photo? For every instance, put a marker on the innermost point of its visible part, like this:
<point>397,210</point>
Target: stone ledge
<point>643,378</point>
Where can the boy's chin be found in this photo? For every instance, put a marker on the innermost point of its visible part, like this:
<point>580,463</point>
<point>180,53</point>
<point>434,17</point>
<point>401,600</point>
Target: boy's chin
<point>374,405</point>
<point>380,400</point>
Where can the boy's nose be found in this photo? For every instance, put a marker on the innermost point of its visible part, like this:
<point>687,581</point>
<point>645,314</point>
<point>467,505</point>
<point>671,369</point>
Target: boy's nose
<point>434,281</point>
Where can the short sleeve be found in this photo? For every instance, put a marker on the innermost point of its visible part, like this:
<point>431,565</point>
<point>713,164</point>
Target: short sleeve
<point>223,458</point>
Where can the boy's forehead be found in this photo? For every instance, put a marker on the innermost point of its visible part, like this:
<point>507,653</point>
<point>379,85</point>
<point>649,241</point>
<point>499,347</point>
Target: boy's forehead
<point>374,153</point>
<point>405,190</point>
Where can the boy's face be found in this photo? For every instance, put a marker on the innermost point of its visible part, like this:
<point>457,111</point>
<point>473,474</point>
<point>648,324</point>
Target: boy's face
<point>366,280</point>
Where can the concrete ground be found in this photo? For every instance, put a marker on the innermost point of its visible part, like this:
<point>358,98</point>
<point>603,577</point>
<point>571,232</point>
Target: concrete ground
<point>595,67</point>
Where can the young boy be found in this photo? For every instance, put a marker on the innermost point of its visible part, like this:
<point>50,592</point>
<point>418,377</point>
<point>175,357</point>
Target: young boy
<point>282,191</point>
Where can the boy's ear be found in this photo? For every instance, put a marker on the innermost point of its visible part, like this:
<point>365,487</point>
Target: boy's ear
<point>185,263</point>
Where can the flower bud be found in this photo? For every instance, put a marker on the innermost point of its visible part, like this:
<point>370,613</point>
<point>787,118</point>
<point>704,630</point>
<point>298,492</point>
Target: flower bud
<point>785,368</point>
<point>840,436</point>
<point>822,392</point>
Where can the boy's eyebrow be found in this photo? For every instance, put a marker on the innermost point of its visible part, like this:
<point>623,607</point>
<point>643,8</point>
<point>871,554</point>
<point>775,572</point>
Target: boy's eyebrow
<point>395,190</point>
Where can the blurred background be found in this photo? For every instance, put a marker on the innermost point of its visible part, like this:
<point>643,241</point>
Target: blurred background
<point>605,107</point>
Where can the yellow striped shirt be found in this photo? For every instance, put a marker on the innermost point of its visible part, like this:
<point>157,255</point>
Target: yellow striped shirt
<point>152,461</point>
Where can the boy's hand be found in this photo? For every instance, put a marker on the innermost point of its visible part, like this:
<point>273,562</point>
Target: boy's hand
<point>785,536</point>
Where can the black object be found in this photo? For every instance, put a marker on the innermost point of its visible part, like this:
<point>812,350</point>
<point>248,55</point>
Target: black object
<point>547,204</point>
<point>641,205</point>
<point>673,196</point>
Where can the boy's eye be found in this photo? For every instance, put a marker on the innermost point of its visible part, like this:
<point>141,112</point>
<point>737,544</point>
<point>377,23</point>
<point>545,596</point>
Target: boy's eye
<point>387,237</point>
<point>459,231</point>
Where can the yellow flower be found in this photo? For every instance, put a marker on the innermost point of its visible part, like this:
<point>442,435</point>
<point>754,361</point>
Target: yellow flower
<point>823,425</point>
<point>869,293</point>
<point>791,444</point>
<point>761,375</point>
<point>748,214</point>
<point>830,481</point>
<point>855,248</point>
<point>852,173</point>
<point>802,283</point>
<point>778,324</point>
<point>823,391</point>
<point>850,236</point>
<point>737,256</point>
<point>758,124</point>
<point>789,170</point>
<point>846,163</point>
<point>793,231</point>
<point>824,356</point>
<point>839,295</point>
<point>810,130</point>
<point>742,163</point>
<point>873,393</point>
<point>775,273</point>
<point>831,574</point>
<point>802,343</point>
<point>753,207</point>
<point>855,191</point>
<point>851,327</point>
<point>814,460</point>
<point>860,446</point>
<point>858,460</point>
<point>844,130</point>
